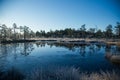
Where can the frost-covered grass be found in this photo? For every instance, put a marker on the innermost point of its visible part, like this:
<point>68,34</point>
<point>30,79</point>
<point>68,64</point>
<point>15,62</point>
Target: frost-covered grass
<point>71,74</point>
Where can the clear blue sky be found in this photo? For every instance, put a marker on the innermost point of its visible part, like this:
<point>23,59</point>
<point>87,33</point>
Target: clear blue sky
<point>59,14</point>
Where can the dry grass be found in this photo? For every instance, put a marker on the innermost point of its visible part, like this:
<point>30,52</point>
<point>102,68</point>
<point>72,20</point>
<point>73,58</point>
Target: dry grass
<point>101,76</point>
<point>113,58</point>
<point>113,43</point>
<point>118,44</point>
<point>71,74</point>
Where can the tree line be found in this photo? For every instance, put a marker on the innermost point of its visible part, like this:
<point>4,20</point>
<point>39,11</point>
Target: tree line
<point>82,32</point>
<point>23,32</point>
<point>15,33</point>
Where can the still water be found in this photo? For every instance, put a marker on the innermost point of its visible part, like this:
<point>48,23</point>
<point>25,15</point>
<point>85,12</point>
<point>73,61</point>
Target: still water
<point>27,56</point>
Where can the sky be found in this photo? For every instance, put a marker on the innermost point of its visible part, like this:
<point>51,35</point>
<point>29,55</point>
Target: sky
<point>59,14</point>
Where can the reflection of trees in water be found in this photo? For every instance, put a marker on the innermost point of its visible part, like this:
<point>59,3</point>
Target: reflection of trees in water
<point>15,49</point>
<point>9,50</point>
<point>40,44</point>
<point>113,49</point>
<point>98,47</point>
<point>82,50</point>
<point>108,48</point>
<point>65,45</point>
<point>117,50</point>
<point>27,48</point>
<point>87,50</point>
<point>94,48</point>
<point>23,48</point>
<point>5,51</point>
<point>91,49</point>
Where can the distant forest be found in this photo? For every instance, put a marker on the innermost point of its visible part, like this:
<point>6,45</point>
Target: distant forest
<point>24,32</point>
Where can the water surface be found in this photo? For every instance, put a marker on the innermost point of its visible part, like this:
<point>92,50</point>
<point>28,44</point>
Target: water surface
<point>27,56</point>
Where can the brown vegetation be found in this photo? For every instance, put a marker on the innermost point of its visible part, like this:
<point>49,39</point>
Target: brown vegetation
<point>118,44</point>
<point>113,58</point>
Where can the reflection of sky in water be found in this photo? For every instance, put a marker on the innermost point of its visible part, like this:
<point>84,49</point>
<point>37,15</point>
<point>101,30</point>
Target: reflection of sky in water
<point>29,55</point>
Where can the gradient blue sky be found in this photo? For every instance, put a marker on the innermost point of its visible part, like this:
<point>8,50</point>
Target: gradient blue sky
<point>59,14</point>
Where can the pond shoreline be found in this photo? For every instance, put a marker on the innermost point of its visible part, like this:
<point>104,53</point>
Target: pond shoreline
<point>16,41</point>
<point>67,40</point>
